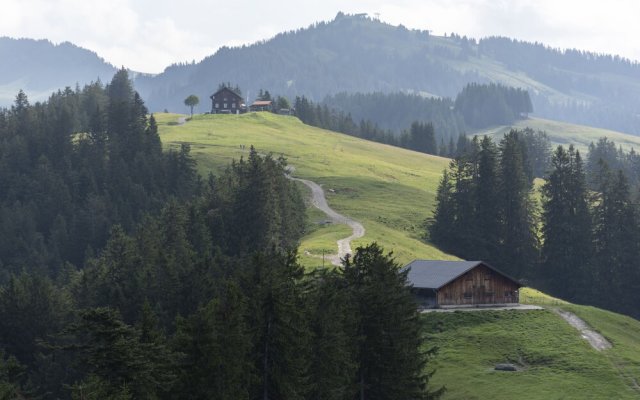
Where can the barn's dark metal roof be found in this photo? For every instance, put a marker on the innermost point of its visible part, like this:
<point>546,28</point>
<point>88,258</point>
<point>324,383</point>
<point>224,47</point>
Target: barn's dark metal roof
<point>434,274</point>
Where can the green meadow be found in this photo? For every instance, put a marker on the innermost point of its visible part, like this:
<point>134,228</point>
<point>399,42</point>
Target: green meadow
<point>391,191</point>
<point>565,133</point>
<point>554,361</point>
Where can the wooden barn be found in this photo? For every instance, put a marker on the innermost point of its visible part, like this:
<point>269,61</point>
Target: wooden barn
<point>460,283</point>
<point>261,105</point>
<point>226,101</point>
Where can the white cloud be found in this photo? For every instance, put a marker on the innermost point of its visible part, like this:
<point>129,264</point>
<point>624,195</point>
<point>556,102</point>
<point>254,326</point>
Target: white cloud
<point>148,35</point>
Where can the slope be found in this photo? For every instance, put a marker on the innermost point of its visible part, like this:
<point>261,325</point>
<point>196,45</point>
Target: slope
<point>391,191</point>
<point>554,361</point>
<point>565,133</point>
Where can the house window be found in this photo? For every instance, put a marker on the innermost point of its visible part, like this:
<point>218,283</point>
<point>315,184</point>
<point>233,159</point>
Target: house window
<point>468,295</point>
<point>233,105</point>
<point>225,99</point>
<point>225,105</point>
<point>217,105</point>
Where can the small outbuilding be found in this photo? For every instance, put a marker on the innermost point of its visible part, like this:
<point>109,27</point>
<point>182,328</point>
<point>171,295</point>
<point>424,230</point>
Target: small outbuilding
<point>444,284</point>
<point>226,101</point>
<point>261,105</point>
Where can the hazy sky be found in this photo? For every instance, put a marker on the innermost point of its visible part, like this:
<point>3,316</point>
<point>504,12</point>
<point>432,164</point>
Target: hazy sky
<point>148,35</point>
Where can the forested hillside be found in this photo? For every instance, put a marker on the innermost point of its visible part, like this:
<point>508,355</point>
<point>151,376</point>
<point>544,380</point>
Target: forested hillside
<point>125,275</point>
<point>579,243</point>
<point>427,125</point>
<point>39,67</point>
<point>359,54</point>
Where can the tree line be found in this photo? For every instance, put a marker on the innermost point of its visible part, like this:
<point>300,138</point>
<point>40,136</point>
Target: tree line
<point>579,242</point>
<point>194,289</point>
<point>75,165</point>
<point>430,126</point>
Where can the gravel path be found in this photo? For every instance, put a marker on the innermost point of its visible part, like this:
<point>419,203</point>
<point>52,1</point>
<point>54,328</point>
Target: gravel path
<point>471,308</point>
<point>320,202</point>
<point>596,340</point>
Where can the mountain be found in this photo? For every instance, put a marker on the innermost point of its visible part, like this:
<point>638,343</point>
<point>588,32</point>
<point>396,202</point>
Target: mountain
<point>39,67</point>
<point>360,54</point>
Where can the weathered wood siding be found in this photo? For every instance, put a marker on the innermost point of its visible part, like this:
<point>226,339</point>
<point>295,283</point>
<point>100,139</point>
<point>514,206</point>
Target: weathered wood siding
<point>225,100</point>
<point>481,285</point>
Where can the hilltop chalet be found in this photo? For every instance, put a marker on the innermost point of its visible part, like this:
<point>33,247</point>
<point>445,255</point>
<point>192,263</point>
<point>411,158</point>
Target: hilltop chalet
<point>460,283</point>
<point>227,101</point>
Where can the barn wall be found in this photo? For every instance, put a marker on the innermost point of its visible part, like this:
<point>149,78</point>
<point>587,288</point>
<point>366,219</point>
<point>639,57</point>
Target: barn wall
<point>481,285</point>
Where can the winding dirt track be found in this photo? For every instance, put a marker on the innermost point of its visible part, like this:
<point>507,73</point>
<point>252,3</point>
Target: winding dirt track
<point>596,340</point>
<point>320,202</point>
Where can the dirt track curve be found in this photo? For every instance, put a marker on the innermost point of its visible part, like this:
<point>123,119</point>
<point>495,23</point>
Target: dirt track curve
<point>596,340</point>
<point>320,202</point>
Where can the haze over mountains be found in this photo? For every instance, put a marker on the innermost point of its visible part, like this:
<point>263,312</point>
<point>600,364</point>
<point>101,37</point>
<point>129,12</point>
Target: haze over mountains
<point>360,54</point>
<point>40,67</point>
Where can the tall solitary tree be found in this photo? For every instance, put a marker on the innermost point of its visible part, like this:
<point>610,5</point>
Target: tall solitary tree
<point>191,102</point>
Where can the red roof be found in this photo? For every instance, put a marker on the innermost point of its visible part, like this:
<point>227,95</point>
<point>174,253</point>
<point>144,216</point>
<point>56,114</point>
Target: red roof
<point>259,103</point>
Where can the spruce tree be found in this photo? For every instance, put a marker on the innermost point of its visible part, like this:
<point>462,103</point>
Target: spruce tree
<point>463,173</point>
<point>617,240</point>
<point>518,236</point>
<point>216,345</point>
<point>333,340</point>
<point>488,223</point>
<point>566,228</point>
<point>391,360</point>
<point>278,325</point>
<point>440,228</point>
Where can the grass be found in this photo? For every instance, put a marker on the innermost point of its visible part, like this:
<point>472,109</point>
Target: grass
<point>554,361</point>
<point>565,133</point>
<point>391,191</point>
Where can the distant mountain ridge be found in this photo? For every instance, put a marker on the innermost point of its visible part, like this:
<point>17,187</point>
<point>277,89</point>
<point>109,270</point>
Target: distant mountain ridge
<point>40,67</point>
<point>355,53</point>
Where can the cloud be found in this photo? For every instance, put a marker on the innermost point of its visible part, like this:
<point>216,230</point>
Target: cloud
<point>148,35</point>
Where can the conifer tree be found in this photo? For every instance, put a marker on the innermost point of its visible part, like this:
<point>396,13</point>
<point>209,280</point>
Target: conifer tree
<point>216,343</point>
<point>617,240</point>
<point>488,223</point>
<point>441,227</point>
<point>391,362</point>
<point>272,284</point>
<point>518,237</point>
<point>566,250</point>
<point>333,340</point>
<point>463,173</point>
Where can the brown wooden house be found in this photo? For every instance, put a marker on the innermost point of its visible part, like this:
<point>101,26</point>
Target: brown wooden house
<point>460,283</point>
<point>226,101</point>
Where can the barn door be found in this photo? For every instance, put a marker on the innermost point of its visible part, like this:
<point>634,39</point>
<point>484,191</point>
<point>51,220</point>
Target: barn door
<point>478,294</point>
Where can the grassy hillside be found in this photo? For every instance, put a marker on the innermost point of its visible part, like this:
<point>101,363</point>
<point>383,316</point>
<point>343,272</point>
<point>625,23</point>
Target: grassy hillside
<point>389,190</point>
<point>556,363</point>
<point>565,133</point>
